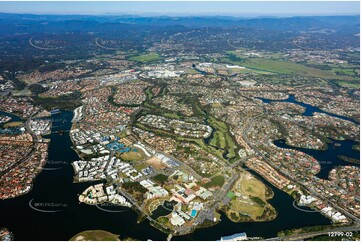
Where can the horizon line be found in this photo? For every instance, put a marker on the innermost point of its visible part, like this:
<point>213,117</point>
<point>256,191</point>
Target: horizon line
<point>159,14</point>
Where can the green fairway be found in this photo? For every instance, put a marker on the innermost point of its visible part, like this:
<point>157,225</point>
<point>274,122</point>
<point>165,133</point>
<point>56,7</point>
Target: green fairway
<point>222,139</point>
<point>145,58</point>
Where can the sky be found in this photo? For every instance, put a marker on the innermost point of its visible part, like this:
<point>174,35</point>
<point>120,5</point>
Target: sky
<point>243,8</point>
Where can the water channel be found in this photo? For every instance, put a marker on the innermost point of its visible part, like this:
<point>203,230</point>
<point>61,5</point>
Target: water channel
<point>55,191</point>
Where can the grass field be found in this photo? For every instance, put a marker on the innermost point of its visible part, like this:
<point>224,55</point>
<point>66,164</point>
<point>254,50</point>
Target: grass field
<point>251,209</point>
<point>279,66</point>
<point>248,200</point>
<point>253,188</point>
<point>216,181</point>
<point>344,71</point>
<point>284,67</point>
<point>140,166</point>
<point>230,194</point>
<point>131,156</point>
<point>350,84</point>
<point>95,235</point>
<point>145,58</point>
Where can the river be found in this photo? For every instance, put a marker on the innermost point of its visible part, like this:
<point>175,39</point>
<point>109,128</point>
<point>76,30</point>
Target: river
<point>55,191</point>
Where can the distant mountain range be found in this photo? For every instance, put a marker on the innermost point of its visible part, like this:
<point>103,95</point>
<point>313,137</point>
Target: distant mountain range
<point>33,23</point>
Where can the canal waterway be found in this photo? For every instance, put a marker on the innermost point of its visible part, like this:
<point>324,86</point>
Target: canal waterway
<point>309,109</point>
<point>59,216</point>
<point>328,158</point>
<point>13,117</point>
<point>10,130</point>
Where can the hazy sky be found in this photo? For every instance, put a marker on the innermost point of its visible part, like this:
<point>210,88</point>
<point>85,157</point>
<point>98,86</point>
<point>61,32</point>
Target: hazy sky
<point>249,8</point>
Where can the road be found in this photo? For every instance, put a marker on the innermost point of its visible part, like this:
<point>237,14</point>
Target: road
<point>132,200</point>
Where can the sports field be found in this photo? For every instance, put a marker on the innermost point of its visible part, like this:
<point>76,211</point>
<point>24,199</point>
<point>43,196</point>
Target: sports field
<point>248,200</point>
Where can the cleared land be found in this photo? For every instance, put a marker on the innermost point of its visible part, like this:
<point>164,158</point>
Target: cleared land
<point>156,163</point>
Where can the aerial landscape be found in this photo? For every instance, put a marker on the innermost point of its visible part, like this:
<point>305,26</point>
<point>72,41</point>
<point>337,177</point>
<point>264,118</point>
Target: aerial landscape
<point>196,121</point>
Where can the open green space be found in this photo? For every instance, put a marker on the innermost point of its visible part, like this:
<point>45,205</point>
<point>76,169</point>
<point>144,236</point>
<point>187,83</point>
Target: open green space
<point>254,188</point>
<point>222,142</point>
<point>222,139</point>
<point>345,71</point>
<point>244,207</point>
<point>218,140</point>
<point>131,156</point>
<point>145,58</point>
<point>65,102</point>
<point>230,194</point>
<point>285,67</point>
<point>140,166</point>
<point>216,181</point>
<point>349,84</point>
<point>280,66</point>
<point>249,200</point>
<point>95,235</point>
<point>149,93</point>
